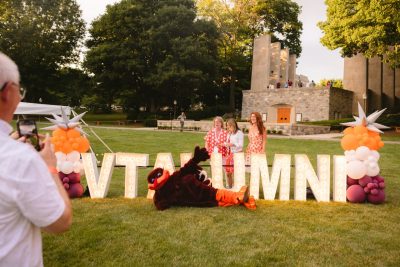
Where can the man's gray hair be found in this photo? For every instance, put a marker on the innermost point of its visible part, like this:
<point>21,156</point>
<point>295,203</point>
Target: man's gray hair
<point>8,70</point>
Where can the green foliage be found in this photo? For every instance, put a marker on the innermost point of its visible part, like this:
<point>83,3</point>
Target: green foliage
<point>281,18</point>
<point>238,22</point>
<point>337,83</point>
<point>149,53</point>
<point>390,119</point>
<point>368,27</point>
<point>209,112</point>
<point>41,37</point>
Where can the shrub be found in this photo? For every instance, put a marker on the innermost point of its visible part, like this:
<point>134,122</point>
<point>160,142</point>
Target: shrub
<point>280,132</point>
<point>150,123</point>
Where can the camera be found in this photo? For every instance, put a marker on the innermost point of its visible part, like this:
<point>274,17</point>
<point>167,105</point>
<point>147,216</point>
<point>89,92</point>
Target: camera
<point>28,129</point>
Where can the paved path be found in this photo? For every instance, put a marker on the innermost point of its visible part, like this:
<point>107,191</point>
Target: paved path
<point>333,137</point>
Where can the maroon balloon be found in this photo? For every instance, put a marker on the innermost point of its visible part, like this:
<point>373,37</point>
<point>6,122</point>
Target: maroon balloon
<point>364,181</point>
<point>379,178</point>
<point>65,180</point>
<point>367,190</point>
<point>382,185</point>
<point>378,198</point>
<point>66,186</point>
<point>75,190</point>
<point>351,181</point>
<point>62,175</point>
<point>371,185</point>
<point>74,177</point>
<point>356,194</point>
<point>374,191</point>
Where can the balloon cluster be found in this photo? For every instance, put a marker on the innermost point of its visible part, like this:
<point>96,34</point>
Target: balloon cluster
<point>69,140</point>
<point>68,144</point>
<point>361,136</point>
<point>361,142</point>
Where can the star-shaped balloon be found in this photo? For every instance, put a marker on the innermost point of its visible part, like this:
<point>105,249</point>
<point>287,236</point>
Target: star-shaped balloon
<point>64,122</point>
<point>368,122</point>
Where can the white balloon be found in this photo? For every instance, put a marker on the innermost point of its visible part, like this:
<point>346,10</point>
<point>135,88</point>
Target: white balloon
<point>350,157</point>
<point>73,156</point>
<point>362,153</point>
<point>60,156</point>
<point>373,171</point>
<point>77,167</point>
<point>375,154</point>
<point>372,165</point>
<point>67,167</point>
<point>356,169</point>
<point>372,159</point>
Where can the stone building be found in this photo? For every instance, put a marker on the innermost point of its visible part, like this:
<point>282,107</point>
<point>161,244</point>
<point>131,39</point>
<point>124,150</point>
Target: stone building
<point>293,104</point>
<point>373,82</point>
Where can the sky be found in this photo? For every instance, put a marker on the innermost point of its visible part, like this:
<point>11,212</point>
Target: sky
<point>316,61</point>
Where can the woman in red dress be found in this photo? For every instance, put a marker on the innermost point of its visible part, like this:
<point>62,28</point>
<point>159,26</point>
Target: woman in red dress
<point>257,137</point>
<point>216,138</point>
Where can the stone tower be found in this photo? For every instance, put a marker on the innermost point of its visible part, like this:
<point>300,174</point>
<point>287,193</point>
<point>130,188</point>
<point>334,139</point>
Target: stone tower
<point>374,83</point>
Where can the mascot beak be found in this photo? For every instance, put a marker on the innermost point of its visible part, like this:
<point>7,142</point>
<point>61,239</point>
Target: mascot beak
<point>160,181</point>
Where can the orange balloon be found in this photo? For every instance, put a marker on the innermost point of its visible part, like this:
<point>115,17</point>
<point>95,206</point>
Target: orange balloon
<point>73,133</point>
<point>66,148</point>
<point>372,133</point>
<point>84,145</point>
<point>349,142</point>
<point>59,132</point>
<point>380,144</point>
<point>54,140</point>
<point>75,146</point>
<point>359,129</point>
<point>348,130</point>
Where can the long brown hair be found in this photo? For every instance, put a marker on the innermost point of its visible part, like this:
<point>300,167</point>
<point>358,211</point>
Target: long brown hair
<point>259,122</point>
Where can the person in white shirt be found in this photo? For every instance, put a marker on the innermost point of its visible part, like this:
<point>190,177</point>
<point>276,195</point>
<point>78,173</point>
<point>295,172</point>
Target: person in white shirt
<point>234,144</point>
<point>31,194</point>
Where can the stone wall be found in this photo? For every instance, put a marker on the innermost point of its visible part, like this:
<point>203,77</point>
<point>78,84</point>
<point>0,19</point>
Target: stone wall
<point>312,103</point>
<point>285,129</point>
<point>340,103</point>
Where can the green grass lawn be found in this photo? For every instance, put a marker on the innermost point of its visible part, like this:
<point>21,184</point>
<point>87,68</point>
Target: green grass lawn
<point>130,232</point>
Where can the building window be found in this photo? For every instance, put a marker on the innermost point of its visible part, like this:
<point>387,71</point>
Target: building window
<point>298,117</point>
<point>264,117</point>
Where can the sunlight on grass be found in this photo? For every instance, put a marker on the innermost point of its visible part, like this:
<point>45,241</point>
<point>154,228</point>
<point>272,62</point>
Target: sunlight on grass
<point>131,232</point>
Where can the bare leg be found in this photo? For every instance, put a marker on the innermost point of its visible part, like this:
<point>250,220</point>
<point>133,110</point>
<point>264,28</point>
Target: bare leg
<point>230,180</point>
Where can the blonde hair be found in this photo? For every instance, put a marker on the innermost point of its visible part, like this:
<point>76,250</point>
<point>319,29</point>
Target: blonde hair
<point>8,70</point>
<point>232,122</point>
<point>220,119</point>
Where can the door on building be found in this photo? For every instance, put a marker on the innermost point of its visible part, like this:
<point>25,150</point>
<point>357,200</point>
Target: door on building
<point>283,115</point>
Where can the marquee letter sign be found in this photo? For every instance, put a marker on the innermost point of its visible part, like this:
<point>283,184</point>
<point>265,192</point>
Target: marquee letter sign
<point>320,183</point>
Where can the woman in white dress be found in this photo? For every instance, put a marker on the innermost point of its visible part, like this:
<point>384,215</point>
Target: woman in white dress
<point>234,144</point>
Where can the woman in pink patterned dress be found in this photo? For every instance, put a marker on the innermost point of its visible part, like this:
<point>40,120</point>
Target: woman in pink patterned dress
<point>216,137</point>
<point>257,137</point>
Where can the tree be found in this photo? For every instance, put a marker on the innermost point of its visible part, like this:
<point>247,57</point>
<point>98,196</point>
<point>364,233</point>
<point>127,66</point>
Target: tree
<point>337,83</point>
<point>41,37</point>
<point>151,52</point>
<point>368,27</point>
<point>239,21</point>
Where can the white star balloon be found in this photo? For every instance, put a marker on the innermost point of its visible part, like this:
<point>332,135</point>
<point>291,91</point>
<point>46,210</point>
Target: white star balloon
<point>64,122</point>
<point>368,122</point>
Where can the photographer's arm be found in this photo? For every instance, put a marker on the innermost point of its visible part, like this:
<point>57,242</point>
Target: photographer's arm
<point>64,222</point>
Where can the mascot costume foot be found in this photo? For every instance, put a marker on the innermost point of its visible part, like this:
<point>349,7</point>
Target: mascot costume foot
<point>187,187</point>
